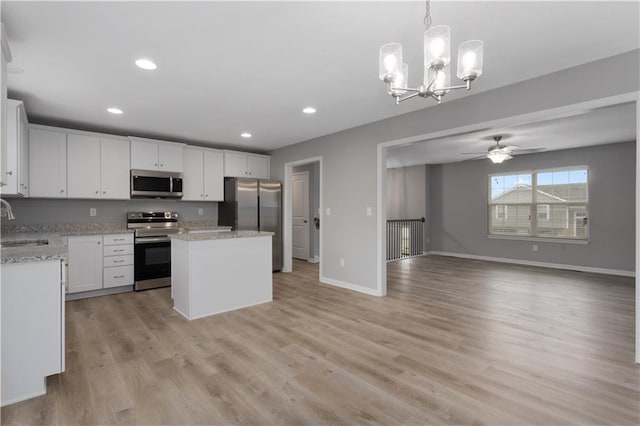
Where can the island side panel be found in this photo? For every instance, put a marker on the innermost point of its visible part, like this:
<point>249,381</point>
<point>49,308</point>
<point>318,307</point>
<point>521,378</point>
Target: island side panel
<point>228,274</point>
<point>180,271</point>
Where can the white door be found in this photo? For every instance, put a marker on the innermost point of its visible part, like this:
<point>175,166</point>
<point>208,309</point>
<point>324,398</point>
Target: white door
<point>192,183</point>
<point>300,215</point>
<point>115,176</point>
<point>47,163</point>
<point>85,263</point>
<point>213,176</point>
<point>83,166</point>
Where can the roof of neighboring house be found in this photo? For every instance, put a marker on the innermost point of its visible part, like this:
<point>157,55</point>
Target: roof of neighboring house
<point>545,194</point>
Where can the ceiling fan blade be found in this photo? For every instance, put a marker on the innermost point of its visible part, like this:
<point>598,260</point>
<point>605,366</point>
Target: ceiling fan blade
<point>473,153</point>
<point>527,150</point>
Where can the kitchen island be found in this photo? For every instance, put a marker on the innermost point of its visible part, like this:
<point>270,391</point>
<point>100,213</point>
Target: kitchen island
<point>216,272</point>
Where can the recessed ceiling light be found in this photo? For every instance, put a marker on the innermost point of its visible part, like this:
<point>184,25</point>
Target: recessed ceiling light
<point>246,135</point>
<point>146,64</point>
<point>309,110</point>
<point>114,110</point>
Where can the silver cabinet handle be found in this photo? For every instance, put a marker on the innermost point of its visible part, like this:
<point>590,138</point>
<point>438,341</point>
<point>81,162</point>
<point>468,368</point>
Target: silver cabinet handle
<point>61,191</point>
<point>10,173</point>
<point>118,250</point>
<point>118,261</point>
<point>156,164</point>
<point>104,192</point>
<point>97,192</point>
<point>118,239</point>
<point>118,276</point>
<point>161,165</point>
<point>99,242</point>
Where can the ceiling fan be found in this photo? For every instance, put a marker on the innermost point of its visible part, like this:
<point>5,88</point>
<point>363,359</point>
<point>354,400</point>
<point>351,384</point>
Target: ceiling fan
<point>499,152</point>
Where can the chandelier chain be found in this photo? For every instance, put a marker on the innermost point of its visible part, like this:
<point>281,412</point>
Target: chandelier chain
<point>427,15</point>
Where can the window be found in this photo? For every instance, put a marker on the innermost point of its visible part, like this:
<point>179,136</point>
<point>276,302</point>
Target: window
<point>545,203</point>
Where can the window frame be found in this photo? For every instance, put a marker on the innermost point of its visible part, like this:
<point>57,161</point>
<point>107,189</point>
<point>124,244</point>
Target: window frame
<point>533,218</point>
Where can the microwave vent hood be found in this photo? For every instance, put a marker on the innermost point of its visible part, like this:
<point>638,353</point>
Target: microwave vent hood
<point>156,184</point>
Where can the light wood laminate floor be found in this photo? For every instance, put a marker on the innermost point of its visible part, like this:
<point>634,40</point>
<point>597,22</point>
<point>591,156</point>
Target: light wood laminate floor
<point>454,342</point>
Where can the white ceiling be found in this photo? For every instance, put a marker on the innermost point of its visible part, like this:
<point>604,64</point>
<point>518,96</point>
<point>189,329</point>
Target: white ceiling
<point>229,67</point>
<point>596,127</point>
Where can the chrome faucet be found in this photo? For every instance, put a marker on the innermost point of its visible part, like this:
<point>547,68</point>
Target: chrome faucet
<point>10,215</point>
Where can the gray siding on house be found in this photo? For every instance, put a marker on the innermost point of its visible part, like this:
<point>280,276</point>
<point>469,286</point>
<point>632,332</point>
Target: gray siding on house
<point>350,157</point>
<point>462,229</point>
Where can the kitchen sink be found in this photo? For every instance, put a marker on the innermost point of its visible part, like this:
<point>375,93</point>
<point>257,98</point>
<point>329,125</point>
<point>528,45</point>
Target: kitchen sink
<point>24,243</point>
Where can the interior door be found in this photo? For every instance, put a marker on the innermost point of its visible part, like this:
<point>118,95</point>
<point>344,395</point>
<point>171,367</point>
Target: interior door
<point>300,215</point>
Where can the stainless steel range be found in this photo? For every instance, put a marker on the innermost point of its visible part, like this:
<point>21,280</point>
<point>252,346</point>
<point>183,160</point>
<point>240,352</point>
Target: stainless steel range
<point>152,260</point>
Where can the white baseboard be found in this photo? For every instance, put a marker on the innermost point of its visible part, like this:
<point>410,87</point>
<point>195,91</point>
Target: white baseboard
<point>350,286</point>
<point>314,259</point>
<point>618,272</point>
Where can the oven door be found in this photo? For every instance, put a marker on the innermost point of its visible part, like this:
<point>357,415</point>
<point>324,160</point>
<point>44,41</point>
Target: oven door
<point>152,264</point>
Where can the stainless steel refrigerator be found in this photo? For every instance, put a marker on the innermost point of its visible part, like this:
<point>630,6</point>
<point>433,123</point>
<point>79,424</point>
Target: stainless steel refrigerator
<point>254,204</point>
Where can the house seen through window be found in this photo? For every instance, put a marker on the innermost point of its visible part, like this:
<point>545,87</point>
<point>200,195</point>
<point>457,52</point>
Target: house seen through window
<point>544,203</point>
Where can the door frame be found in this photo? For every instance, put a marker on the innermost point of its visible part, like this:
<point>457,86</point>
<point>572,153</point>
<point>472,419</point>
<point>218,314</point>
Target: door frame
<point>307,257</point>
<point>287,202</point>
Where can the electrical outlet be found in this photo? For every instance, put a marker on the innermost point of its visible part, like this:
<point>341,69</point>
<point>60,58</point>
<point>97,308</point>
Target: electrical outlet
<point>200,211</point>
<point>328,211</point>
<point>92,211</point>
<point>534,247</point>
<point>341,262</point>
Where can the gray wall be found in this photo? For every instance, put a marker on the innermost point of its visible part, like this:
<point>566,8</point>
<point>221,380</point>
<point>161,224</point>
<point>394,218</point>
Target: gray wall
<point>458,208</point>
<point>407,196</point>
<point>29,211</point>
<point>314,205</point>
<point>350,156</point>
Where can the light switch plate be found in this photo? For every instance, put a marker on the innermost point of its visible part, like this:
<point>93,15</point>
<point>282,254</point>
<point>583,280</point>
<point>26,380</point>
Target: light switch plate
<point>369,211</point>
<point>328,211</point>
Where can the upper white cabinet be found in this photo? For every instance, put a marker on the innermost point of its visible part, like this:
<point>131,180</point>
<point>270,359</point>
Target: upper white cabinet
<point>114,168</point>
<point>149,154</point>
<point>242,164</point>
<point>203,174</point>
<point>47,163</point>
<point>5,57</point>
<point>97,167</point>
<point>17,152</point>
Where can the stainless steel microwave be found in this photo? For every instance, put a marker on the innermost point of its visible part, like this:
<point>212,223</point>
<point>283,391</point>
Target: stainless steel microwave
<point>155,184</point>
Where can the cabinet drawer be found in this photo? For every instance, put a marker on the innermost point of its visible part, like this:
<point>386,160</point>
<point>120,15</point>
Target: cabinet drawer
<point>124,260</point>
<point>116,239</point>
<point>117,276</point>
<point>118,250</point>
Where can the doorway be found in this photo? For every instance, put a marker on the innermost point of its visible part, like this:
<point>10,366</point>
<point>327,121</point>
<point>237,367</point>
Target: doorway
<point>302,227</point>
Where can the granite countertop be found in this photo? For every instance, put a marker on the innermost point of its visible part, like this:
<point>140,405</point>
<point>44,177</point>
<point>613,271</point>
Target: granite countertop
<point>204,236</point>
<point>56,249</point>
<point>202,225</point>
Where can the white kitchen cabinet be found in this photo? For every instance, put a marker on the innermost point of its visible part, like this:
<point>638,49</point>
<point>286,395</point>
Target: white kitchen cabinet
<point>118,260</point>
<point>47,163</point>
<point>5,58</point>
<point>16,173</point>
<point>242,164</point>
<point>85,263</point>
<point>83,166</point>
<point>149,154</point>
<point>203,174</point>
<point>32,327</point>
<point>97,167</point>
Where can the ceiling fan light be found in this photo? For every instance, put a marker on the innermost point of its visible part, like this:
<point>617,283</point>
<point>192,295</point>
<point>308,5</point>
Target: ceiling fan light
<point>470,59</point>
<point>390,61</point>
<point>437,46</point>
<point>498,156</point>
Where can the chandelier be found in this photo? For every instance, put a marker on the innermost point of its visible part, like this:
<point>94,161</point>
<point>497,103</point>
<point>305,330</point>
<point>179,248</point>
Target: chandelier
<point>437,58</point>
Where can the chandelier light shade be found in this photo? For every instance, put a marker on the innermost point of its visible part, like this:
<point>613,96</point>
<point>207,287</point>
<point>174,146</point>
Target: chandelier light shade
<point>437,47</point>
<point>437,64</point>
<point>390,62</point>
<point>470,59</point>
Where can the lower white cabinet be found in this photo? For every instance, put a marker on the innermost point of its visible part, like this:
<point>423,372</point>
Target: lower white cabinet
<point>32,327</point>
<point>100,261</point>
<point>85,263</point>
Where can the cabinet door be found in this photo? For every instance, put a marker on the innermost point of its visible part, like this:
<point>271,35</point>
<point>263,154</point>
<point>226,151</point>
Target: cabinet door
<point>213,175</point>
<point>3,113</point>
<point>47,163</point>
<point>144,155</point>
<point>235,164</point>
<point>83,166</point>
<point>12,142</point>
<point>258,166</point>
<point>192,183</point>
<point>85,263</point>
<point>170,157</point>
<point>114,169</point>
<point>23,154</point>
